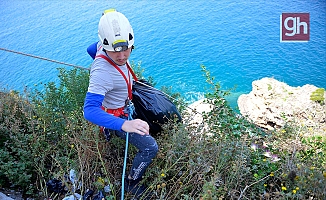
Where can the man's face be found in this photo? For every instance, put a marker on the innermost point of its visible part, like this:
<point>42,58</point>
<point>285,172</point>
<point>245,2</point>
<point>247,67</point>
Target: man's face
<point>120,58</point>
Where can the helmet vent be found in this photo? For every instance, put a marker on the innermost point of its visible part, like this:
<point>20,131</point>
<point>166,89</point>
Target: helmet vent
<point>130,36</point>
<point>105,41</point>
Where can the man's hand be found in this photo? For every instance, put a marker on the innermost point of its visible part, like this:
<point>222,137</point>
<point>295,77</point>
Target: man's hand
<point>136,126</point>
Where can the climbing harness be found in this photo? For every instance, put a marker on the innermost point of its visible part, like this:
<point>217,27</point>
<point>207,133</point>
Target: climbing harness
<point>119,112</point>
<point>128,82</point>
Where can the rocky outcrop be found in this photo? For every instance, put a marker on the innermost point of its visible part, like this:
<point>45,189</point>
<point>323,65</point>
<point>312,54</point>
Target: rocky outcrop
<point>272,103</point>
<point>194,116</point>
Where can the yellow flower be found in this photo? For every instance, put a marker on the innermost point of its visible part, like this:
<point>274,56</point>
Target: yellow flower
<point>294,191</point>
<point>100,180</point>
<point>265,185</point>
<point>324,174</point>
<point>283,131</point>
<point>272,174</point>
<point>163,175</point>
<point>283,188</point>
<point>72,146</point>
<point>264,159</point>
<point>297,188</point>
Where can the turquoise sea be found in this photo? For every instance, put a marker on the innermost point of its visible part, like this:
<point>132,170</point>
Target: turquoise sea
<point>237,41</point>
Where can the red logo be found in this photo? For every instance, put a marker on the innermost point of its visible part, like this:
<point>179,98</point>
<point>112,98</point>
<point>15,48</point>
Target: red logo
<point>295,27</point>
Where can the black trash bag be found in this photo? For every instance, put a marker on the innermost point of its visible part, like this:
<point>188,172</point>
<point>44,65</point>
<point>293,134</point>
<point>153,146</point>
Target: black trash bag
<point>88,195</point>
<point>99,196</point>
<point>56,186</point>
<point>152,106</point>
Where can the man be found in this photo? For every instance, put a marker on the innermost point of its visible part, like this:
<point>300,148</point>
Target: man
<point>109,90</point>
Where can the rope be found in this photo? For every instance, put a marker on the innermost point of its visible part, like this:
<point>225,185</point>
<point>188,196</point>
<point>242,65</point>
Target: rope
<point>42,58</point>
<point>130,109</point>
<point>124,167</point>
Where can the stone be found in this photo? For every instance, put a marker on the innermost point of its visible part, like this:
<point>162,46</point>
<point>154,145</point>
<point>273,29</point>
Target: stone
<point>4,197</point>
<point>271,104</point>
<point>194,117</point>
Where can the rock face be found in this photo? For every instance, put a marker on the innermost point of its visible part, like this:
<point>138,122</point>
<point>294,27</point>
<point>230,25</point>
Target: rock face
<point>272,103</point>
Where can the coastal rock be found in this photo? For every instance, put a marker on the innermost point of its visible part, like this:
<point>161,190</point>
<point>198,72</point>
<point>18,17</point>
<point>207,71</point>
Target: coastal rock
<point>272,103</point>
<point>194,118</point>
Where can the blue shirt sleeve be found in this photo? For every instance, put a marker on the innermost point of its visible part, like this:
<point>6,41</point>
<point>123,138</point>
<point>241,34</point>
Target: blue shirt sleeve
<point>94,113</point>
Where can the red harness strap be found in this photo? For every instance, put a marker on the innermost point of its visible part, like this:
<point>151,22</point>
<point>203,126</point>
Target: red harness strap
<point>129,84</point>
<point>116,112</point>
<point>119,111</point>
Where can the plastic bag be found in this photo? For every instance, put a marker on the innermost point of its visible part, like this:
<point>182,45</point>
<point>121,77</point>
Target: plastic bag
<point>152,106</point>
<point>73,197</point>
<point>56,186</point>
<point>99,196</point>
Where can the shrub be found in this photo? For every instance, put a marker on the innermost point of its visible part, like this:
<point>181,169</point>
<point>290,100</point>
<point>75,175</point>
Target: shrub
<point>17,135</point>
<point>318,95</point>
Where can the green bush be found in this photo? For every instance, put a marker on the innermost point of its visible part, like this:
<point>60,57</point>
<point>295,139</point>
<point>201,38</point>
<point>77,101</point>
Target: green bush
<point>16,133</point>
<point>318,95</point>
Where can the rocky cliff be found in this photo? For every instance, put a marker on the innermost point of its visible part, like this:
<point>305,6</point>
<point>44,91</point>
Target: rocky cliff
<point>272,103</point>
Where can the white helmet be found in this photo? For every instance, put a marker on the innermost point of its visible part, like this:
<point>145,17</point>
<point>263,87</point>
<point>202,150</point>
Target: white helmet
<point>115,31</point>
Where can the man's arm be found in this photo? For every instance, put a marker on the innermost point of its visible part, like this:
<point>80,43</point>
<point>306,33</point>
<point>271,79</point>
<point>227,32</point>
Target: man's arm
<point>94,113</point>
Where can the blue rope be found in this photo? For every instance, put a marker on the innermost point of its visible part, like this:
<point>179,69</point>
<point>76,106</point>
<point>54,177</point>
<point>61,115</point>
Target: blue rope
<point>130,110</point>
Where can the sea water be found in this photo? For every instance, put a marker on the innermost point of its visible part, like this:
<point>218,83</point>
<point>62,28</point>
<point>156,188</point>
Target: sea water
<point>237,41</point>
